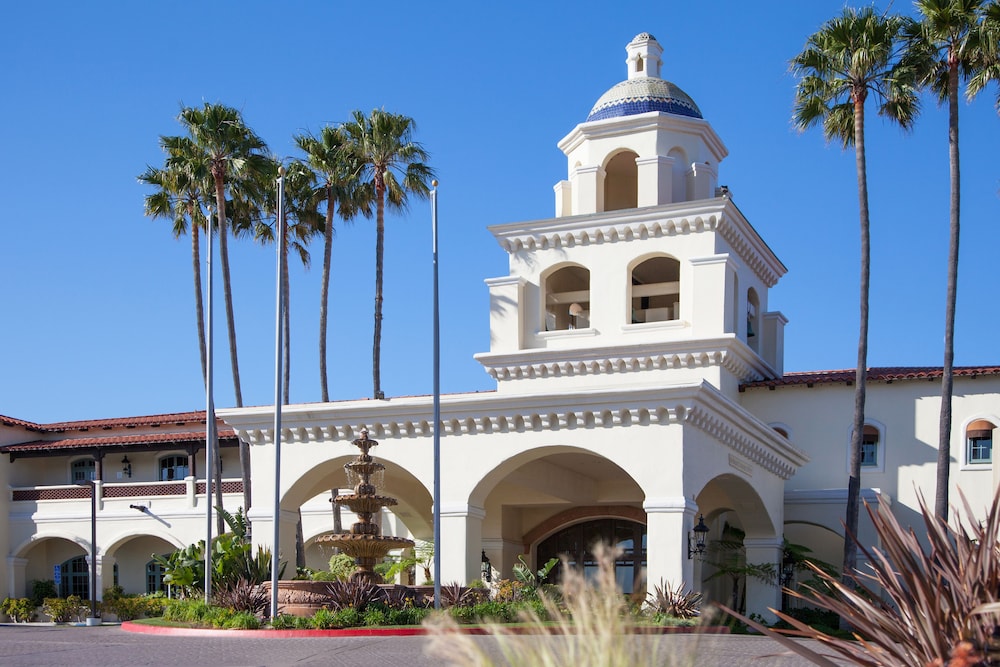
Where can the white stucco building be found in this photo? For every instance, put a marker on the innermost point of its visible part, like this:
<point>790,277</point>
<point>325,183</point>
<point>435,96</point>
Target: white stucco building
<point>639,387</point>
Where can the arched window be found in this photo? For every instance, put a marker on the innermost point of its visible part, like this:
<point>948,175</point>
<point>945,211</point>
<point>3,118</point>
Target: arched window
<point>567,299</point>
<point>74,578</point>
<point>173,467</point>
<point>753,320</point>
<point>83,470</point>
<point>979,442</point>
<point>154,577</point>
<point>621,182</point>
<point>870,454</point>
<point>575,543</point>
<point>656,290</point>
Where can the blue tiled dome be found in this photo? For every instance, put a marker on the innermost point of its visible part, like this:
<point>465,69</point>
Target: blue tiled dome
<point>635,96</point>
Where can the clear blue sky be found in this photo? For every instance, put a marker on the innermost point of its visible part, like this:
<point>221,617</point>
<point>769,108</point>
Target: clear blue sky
<point>98,300</point>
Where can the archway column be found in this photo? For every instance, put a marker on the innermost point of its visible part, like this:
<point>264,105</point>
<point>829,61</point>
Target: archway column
<point>16,583</point>
<point>461,542</point>
<point>763,596</point>
<point>668,521</point>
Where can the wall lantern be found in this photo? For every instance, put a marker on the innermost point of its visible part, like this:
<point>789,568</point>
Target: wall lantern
<point>696,538</point>
<point>126,467</point>
<point>487,568</point>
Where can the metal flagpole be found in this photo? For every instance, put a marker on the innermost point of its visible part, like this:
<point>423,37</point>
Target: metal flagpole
<point>209,417</point>
<point>278,317</point>
<point>437,405</point>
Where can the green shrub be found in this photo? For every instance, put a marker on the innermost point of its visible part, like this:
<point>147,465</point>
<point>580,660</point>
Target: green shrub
<point>324,619</point>
<point>126,607</point>
<point>20,610</point>
<point>186,611</point>
<point>348,618</point>
<point>283,622</point>
<point>374,616</point>
<point>41,589</point>
<point>406,616</point>
<point>242,620</point>
<point>65,610</point>
<point>341,567</point>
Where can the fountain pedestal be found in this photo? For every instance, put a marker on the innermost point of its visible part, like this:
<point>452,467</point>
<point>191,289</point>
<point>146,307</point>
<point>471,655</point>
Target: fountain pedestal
<point>365,543</point>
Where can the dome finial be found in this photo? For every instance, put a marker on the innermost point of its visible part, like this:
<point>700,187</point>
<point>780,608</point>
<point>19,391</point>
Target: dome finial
<point>644,57</point>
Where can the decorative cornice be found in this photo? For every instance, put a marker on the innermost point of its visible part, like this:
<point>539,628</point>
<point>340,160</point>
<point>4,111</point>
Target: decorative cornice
<point>546,363</point>
<point>710,215</point>
<point>700,406</point>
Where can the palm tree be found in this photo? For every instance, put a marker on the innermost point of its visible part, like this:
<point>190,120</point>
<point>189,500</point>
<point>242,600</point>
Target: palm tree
<point>178,197</point>
<point>392,166</point>
<point>850,57</point>
<point>987,68</point>
<point>184,184</point>
<point>302,223</point>
<point>946,43</point>
<point>233,153</point>
<point>337,171</point>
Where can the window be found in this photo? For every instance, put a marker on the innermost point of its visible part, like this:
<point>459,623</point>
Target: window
<point>869,447</point>
<point>75,578</point>
<point>574,543</point>
<point>567,299</point>
<point>173,467</point>
<point>979,442</point>
<point>84,470</point>
<point>154,577</point>
<point>656,290</point>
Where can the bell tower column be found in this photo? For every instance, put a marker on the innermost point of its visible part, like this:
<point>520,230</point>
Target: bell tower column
<point>655,176</point>
<point>588,189</point>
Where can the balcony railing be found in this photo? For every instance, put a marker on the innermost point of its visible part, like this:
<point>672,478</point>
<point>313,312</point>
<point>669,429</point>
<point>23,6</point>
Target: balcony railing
<point>189,486</point>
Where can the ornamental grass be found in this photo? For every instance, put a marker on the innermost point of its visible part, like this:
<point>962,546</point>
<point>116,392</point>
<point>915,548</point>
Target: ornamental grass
<point>588,624</point>
<point>922,604</point>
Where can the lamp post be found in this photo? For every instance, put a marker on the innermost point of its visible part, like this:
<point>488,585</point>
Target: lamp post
<point>437,404</point>
<point>696,543</point>
<point>93,619</point>
<point>487,568</point>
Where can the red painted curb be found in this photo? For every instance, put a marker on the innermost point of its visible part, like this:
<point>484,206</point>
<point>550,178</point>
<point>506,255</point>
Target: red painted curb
<point>141,628</point>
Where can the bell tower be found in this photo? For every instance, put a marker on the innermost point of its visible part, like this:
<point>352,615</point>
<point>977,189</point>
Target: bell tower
<point>648,273</point>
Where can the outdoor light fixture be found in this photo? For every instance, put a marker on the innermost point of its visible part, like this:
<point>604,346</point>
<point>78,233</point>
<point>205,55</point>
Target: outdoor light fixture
<point>696,542</point>
<point>487,568</point>
<point>126,467</point>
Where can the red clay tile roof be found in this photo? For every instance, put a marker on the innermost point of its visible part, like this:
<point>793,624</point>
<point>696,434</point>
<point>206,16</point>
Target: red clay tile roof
<point>114,440</point>
<point>882,374</point>
<point>10,421</point>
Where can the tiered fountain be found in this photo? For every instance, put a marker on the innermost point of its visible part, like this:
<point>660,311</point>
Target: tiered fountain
<point>365,543</point>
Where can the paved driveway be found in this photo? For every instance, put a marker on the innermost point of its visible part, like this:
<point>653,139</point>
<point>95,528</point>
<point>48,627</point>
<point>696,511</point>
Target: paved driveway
<point>110,646</point>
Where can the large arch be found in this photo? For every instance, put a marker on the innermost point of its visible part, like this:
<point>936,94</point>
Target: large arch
<point>533,493</point>
<point>309,497</point>
<point>733,510</point>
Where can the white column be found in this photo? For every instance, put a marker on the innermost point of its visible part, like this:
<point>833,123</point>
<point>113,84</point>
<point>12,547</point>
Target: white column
<point>655,180</point>
<point>461,542</point>
<point>763,596</point>
<point>564,198</point>
<point>588,189</point>
<point>16,584</point>
<point>668,521</point>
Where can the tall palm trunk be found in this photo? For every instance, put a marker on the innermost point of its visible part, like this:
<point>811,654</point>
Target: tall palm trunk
<point>324,294</point>
<point>199,306</point>
<point>861,372</point>
<point>379,249</point>
<point>227,293</point>
<point>944,433</point>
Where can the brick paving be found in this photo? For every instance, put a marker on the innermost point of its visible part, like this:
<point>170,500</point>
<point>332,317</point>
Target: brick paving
<point>110,646</point>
